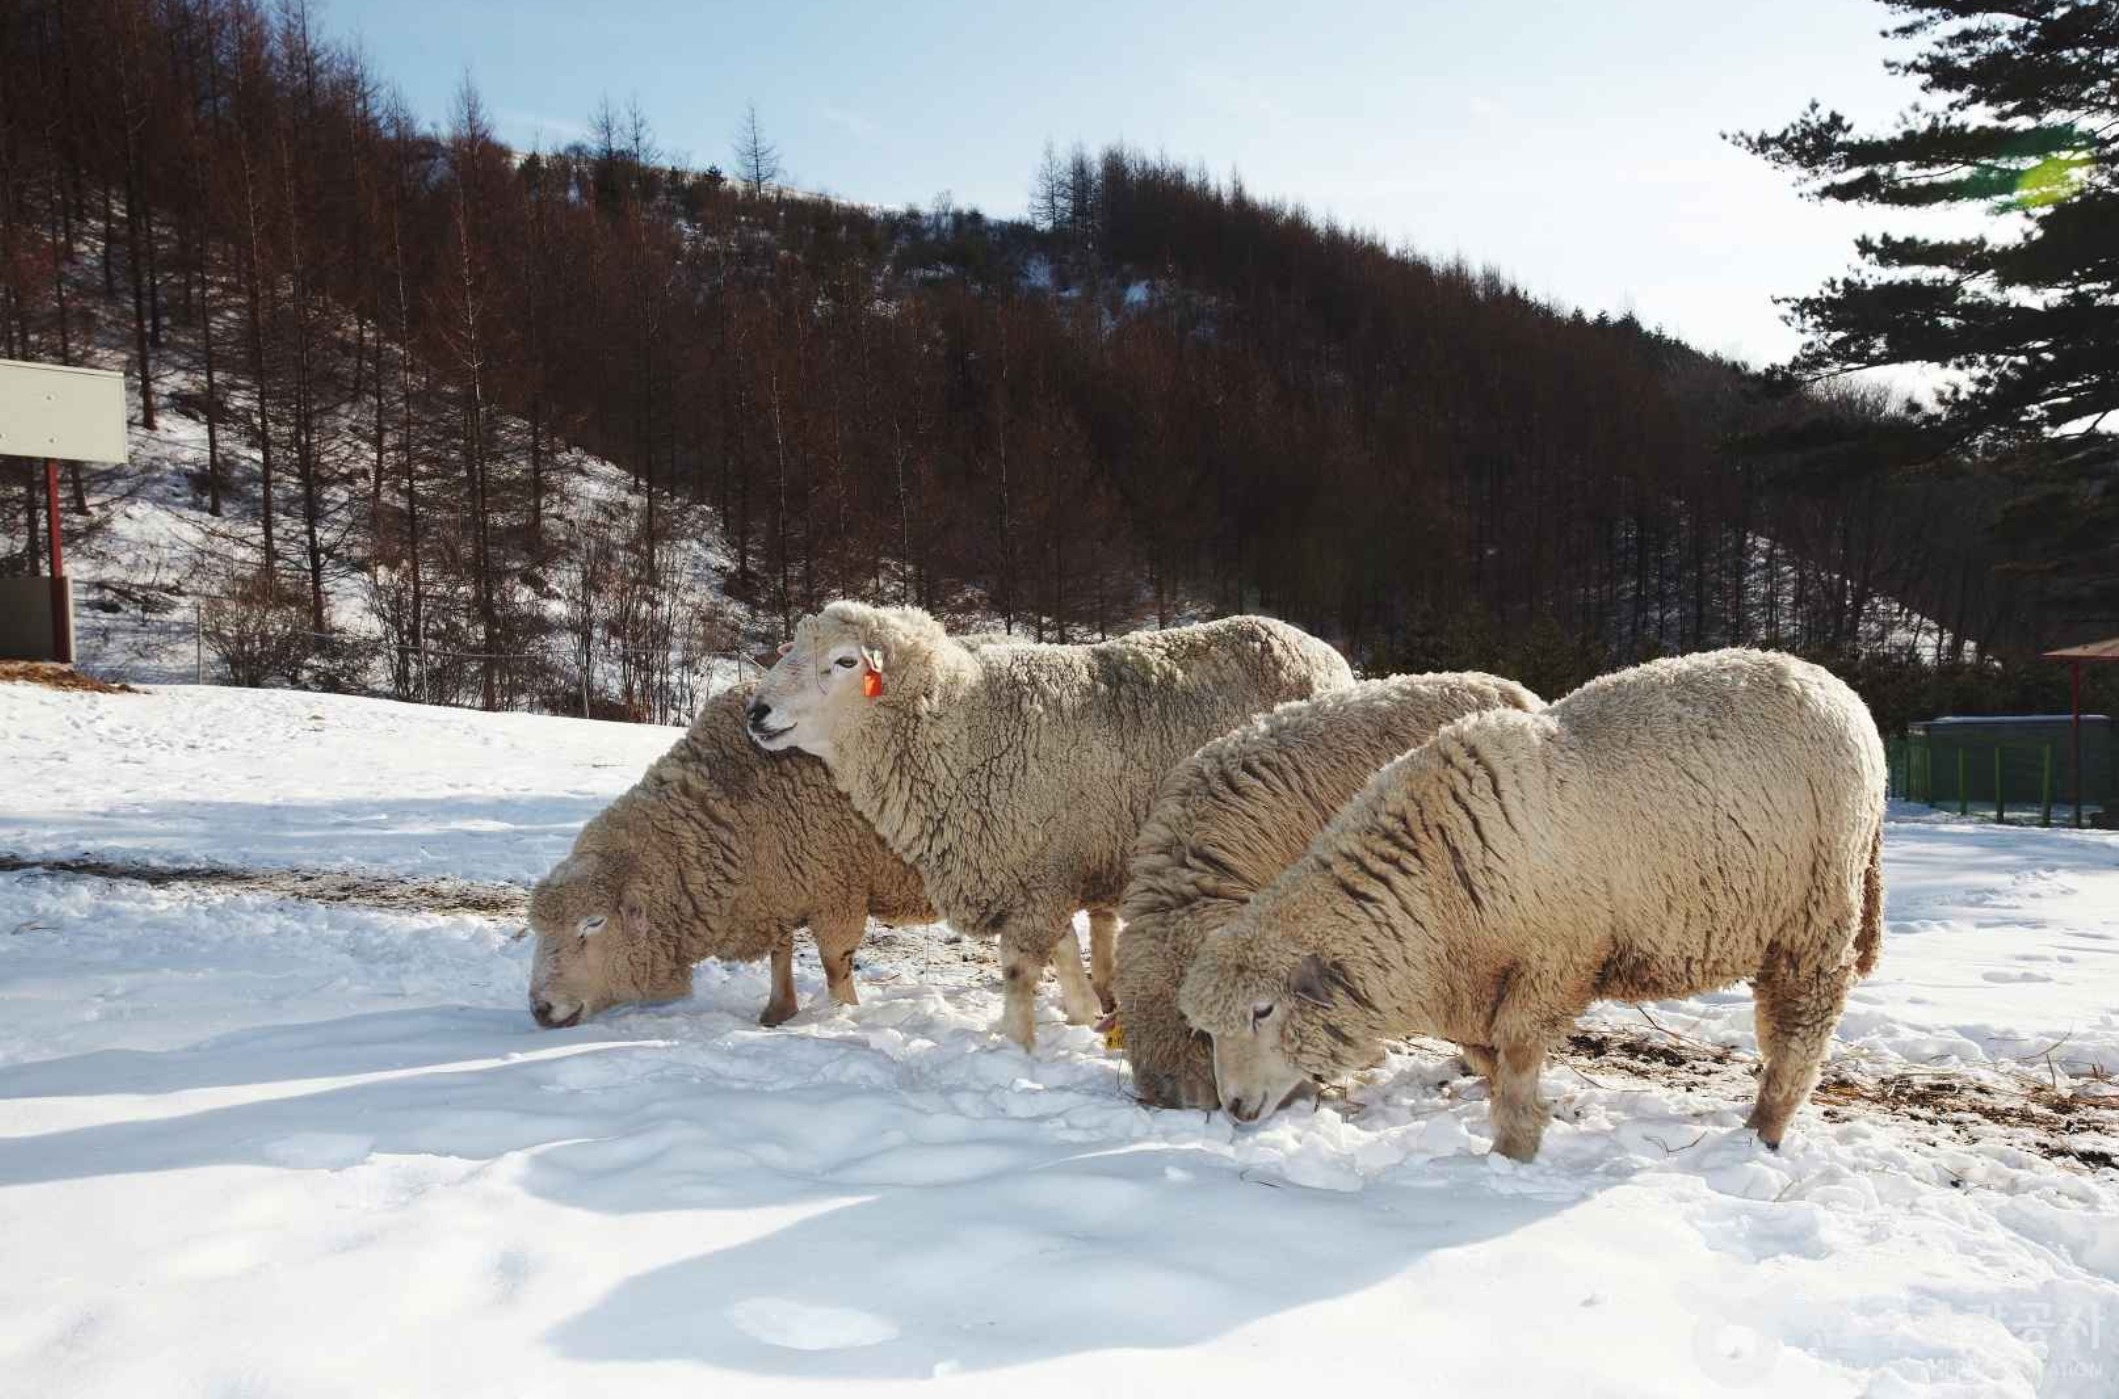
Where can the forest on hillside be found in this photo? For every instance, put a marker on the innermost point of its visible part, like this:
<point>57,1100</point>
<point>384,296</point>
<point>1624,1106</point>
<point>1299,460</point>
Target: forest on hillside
<point>1161,396</point>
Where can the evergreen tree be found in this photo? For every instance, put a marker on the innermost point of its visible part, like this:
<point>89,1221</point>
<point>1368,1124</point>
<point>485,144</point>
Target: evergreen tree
<point>2024,123</point>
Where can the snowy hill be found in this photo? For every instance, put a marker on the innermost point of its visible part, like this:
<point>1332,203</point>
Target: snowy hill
<point>263,1144</point>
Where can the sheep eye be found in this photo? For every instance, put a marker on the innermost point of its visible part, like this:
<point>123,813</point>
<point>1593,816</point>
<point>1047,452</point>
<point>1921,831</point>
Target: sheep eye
<point>1260,1012</point>
<point>592,925</point>
<point>844,662</point>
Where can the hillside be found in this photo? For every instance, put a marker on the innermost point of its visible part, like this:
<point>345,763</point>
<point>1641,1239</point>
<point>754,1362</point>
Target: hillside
<point>380,360</point>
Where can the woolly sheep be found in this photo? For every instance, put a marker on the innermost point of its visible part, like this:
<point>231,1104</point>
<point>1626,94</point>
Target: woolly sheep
<point>1231,818</point>
<point>720,850</point>
<point>1662,831</point>
<point>1014,778</point>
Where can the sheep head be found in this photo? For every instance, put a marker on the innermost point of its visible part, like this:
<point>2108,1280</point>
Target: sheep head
<point>594,948</point>
<point>1278,1015</point>
<point>841,664</point>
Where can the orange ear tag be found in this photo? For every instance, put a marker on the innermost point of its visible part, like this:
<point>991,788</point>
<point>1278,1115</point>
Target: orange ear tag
<point>871,684</point>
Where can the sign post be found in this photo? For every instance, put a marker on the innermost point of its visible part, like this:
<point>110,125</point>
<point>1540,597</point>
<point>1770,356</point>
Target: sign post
<point>62,633</point>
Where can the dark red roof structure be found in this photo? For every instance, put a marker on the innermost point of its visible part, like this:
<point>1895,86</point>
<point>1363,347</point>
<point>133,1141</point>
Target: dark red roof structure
<point>2076,657</point>
<point>2089,651</point>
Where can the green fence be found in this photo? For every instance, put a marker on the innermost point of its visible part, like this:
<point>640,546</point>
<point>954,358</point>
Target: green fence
<point>1975,776</point>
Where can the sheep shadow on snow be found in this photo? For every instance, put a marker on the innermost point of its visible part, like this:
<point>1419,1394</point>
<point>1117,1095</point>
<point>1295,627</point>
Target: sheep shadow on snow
<point>937,1226</point>
<point>1078,1251</point>
<point>383,1041</point>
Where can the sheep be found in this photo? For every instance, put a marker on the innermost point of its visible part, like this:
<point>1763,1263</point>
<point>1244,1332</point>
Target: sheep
<point>1231,818</point>
<point>1014,778</point>
<point>720,850</point>
<point>1662,831</point>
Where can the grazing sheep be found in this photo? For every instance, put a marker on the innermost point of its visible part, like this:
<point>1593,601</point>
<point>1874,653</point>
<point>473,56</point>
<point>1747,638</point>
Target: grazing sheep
<point>1231,818</point>
<point>1014,778</point>
<point>1660,832</point>
<point>720,850</point>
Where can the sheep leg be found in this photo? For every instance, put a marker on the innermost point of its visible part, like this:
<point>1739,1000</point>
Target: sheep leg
<point>1103,955</point>
<point>782,1004</point>
<point>1518,1113</point>
<point>1027,942</point>
<point>836,941</point>
<point>1082,1003</point>
<point>1796,1013</point>
<point>1479,1058</point>
<point>1020,969</point>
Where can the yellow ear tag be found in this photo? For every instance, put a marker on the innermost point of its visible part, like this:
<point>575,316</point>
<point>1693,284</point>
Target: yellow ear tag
<point>1114,1031</point>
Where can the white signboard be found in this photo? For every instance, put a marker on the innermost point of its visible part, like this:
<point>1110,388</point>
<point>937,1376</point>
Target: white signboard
<point>49,410</point>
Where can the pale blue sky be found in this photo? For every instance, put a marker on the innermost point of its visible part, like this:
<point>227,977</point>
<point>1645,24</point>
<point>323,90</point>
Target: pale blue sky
<point>1572,145</point>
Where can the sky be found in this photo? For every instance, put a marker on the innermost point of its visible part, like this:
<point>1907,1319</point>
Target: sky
<point>1574,146</point>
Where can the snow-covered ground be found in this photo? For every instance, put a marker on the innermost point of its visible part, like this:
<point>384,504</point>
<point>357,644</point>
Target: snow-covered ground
<point>253,1145</point>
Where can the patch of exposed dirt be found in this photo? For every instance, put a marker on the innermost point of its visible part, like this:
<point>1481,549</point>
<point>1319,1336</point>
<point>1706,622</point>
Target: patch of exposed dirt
<point>2060,1116</point>
<point>53,676</point>
<point>443,895</point>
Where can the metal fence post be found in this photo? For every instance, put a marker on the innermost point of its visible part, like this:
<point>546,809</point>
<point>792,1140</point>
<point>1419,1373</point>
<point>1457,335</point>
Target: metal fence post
<point>2001,800</point>
<point>2045,788</point>
<point>198,641</point>
<point>1964,788</point>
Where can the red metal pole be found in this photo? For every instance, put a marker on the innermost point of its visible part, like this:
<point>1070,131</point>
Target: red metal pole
<point>62,641</point>
<point>2075,738</point>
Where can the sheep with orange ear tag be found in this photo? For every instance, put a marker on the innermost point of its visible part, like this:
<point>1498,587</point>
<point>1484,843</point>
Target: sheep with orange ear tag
<point>1019,773</point>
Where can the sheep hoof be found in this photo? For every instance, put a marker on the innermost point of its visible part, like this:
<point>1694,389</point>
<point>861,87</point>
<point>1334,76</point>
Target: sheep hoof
<point>1020,1029</point>
<point>776,1014</point>
<point>1518,1143</point>
<point>1767,1135</point>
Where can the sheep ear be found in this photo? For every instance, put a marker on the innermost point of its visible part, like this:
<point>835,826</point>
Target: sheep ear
<point>873,656</point>
<point>634,910</point>
<point>1312,981</point>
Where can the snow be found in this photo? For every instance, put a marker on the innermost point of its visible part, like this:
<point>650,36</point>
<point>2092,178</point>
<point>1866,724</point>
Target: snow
<point>280,778</point>
<point>255,1144</point>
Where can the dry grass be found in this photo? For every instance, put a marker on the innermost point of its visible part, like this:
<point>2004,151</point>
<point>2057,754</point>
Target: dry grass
<point>2061,1116</point>
<point>53,676</point>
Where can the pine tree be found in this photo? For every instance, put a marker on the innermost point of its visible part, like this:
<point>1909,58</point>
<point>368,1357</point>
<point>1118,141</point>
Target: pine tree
<point>2025,124</point>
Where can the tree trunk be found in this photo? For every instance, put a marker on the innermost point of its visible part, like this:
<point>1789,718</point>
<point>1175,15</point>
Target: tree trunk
<point>254,293</point>
<point>138,273</point>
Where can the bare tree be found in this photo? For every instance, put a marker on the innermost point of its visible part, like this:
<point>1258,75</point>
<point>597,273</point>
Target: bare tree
<point>757,159</point>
